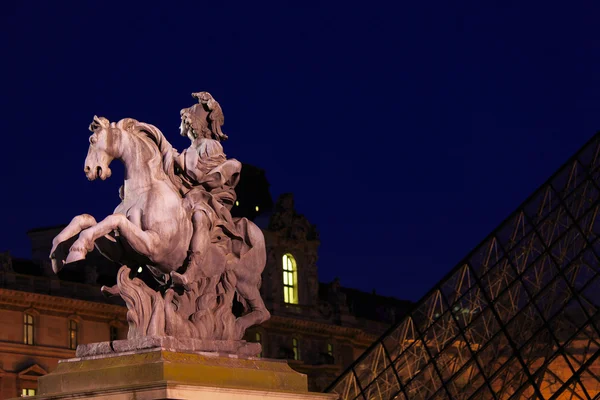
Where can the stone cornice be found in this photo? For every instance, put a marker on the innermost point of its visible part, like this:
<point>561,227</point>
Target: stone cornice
<point>302,326</point>
<point>61,304</point>
<point>36,351</point>
<point>307,368</point>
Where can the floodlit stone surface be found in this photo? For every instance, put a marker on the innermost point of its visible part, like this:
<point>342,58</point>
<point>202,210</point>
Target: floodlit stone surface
<point>162,374</point>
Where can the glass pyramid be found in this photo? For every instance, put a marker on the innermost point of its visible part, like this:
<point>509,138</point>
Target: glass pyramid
<point>518,318</point>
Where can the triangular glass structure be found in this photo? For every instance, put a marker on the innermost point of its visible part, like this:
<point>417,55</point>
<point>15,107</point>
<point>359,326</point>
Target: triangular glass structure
<point>518,318</point>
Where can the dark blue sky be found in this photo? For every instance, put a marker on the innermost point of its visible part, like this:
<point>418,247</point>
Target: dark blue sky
<point>407,132</point>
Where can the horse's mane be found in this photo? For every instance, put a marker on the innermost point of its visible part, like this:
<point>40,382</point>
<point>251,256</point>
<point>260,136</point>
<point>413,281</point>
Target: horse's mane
<point>165,153</point>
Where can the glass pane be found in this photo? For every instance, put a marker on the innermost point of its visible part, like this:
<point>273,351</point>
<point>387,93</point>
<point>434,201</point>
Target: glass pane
<point>412,360</point>
<point>372,365</point>
<point>524,325</point>
<point>512,231</point>
<point>582,199</point>
<point>539,205</point>
<point>347,387</point>
<point>386,386</point>
<point>425,384</point>
<point>494,355</point>
<point>465,382</point>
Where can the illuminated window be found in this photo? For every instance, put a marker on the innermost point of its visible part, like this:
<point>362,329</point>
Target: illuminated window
<point>114,333</point>
<point>27,392</point>
<point>28,329</point>
<point>73,334</point>
<point>258,339</point>
<point>296,349</point>
<point>290,280</point>
<point>330,349</point>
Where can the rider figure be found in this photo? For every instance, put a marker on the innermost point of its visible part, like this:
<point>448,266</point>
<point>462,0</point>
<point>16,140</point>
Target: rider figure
<point>212,178</point>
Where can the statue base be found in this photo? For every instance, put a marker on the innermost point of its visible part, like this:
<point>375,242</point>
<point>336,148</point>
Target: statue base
<point>170,343</point>
<point>163,374</point>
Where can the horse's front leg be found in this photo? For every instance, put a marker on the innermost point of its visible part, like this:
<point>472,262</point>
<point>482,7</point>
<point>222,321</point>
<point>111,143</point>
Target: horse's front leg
<point>143,242</point>
<point>77,224</point>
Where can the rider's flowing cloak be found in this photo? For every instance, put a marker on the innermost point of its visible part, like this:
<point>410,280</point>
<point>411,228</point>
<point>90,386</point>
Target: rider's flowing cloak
<point>213,180</point>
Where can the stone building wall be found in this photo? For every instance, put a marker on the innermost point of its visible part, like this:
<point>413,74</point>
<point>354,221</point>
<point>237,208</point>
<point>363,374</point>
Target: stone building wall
<point>21,364</point>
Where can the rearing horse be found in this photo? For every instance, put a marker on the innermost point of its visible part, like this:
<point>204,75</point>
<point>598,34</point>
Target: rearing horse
<point>153,221</point>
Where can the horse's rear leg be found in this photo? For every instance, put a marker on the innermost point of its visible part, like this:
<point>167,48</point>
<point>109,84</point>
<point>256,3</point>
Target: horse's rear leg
<point>197,253</point>
<point>258,311</point>
<point>59,253</point>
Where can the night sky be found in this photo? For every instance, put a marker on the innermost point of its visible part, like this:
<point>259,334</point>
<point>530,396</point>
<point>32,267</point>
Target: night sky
<point>407,132</point>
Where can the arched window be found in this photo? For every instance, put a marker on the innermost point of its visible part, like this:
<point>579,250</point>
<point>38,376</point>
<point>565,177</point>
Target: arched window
<point>28,328</point>
<point>290,279</point>
<point>73,330</point>
<point>296,348</point>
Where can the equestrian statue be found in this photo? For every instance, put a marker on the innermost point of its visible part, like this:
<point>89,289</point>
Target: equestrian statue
<point>174,219</point>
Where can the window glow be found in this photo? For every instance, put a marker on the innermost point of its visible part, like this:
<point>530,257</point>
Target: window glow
<point>290,279</point>
<point>27,392</point>
<point>258,339</point>
<point>73,328</point>
<point>296,349</point>
<point>330,349</point>
<point>28,329</point>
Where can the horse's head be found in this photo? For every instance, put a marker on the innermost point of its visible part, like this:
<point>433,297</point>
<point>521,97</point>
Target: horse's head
<point>102,149</point>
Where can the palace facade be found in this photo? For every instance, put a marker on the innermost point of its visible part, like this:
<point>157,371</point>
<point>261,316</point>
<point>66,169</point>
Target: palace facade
<point>321,328</point>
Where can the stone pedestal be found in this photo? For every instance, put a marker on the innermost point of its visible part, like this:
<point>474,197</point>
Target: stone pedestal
<point>163,374</point>
<point>169,343</point>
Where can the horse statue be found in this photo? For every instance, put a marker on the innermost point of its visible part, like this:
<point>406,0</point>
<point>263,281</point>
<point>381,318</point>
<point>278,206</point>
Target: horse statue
<point>162,214</point>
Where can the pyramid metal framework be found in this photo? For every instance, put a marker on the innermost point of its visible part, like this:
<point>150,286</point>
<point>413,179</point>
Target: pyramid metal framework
<point>518,318</point>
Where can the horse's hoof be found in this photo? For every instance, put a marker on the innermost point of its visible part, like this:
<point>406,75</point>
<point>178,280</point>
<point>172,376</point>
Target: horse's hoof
<point>57,265</point>
<point>75,256</point>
